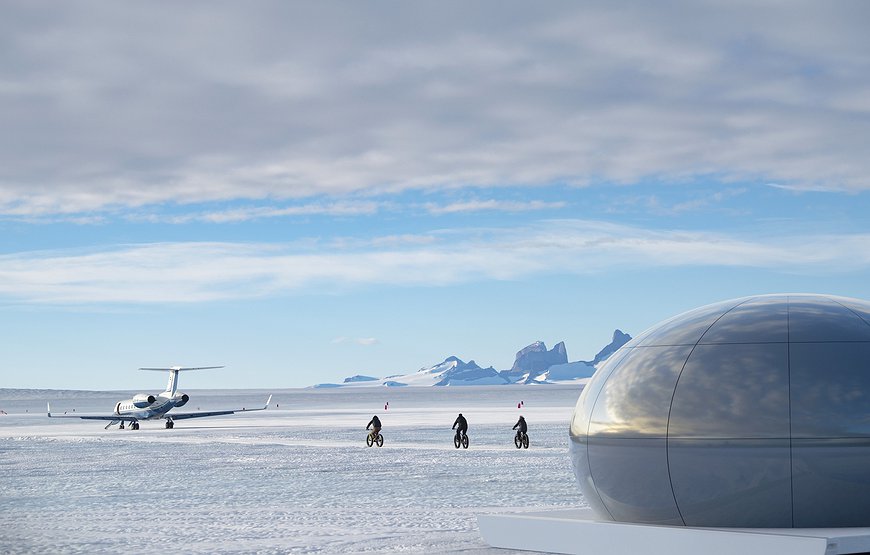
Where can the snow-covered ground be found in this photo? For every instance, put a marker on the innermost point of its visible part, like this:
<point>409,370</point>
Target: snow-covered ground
<point>294,479</point>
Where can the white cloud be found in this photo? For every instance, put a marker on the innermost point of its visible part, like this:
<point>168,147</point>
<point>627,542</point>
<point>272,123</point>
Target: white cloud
<point>203,272</point>
<point>333,208</point>
<point>364,341</point>
<point>705,200</point>
<point>251,213</point>
<point>493,205</point>
<point>400,240</point>
<point>116,108</point>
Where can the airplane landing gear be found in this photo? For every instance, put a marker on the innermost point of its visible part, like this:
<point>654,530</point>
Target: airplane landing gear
<point>134,425</point>
<point>170,424</point>
<point>121,426</point>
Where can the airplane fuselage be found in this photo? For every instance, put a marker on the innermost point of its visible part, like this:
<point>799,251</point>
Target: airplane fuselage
<point>163,403</point>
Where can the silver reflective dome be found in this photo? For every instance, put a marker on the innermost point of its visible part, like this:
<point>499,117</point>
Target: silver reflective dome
<point>753,412</point>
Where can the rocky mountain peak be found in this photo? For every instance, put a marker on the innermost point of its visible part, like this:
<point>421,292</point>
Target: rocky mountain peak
<point>535,358</point>
<point>619,339</point>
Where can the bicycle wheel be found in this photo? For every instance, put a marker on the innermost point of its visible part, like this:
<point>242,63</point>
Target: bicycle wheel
<point>379,440</point>
<point>465,442</point>
<point>517,441</point>
<point>525,441</point>
<point>456,441</point>
<point>369,440</point>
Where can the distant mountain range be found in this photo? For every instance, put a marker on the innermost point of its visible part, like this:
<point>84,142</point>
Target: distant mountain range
<point>534,364</point>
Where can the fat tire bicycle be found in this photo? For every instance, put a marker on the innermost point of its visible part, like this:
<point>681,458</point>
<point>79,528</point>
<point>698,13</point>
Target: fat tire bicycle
<point>375,438</point>
<point>460,439</point>
<point>521,440</point>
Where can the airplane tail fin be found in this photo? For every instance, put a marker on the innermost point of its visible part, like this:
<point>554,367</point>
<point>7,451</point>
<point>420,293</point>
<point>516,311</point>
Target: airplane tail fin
<point>172,386</point>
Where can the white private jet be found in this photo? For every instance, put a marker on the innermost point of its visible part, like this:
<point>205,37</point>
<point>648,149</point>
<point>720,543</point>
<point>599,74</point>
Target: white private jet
<point>154,407</point>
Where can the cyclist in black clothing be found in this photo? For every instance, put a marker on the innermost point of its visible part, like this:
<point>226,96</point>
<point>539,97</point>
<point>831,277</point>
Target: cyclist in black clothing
<point>375,424</point>
<point>463,425</point>
<point>521,424</point>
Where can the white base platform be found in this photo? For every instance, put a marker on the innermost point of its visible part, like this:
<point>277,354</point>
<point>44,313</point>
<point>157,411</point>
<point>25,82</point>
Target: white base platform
<point>576,531</point>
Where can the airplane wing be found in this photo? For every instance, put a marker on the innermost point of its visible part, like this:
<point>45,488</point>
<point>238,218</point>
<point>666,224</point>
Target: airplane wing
<point>183,415</point>
<point>181,368</point>
<point>113,417</point>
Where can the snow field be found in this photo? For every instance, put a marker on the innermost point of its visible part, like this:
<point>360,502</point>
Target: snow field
<point>283,481</point>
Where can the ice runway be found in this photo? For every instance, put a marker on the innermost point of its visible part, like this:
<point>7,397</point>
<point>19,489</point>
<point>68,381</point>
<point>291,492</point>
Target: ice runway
<point>294,479</point>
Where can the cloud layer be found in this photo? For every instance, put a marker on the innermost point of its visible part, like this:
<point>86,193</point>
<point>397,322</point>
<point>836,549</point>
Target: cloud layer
<point>199,272</point>
<point>108,107</point>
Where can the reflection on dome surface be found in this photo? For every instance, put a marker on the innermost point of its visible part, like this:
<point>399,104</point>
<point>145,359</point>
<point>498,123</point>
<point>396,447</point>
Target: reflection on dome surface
<point>753,412</point>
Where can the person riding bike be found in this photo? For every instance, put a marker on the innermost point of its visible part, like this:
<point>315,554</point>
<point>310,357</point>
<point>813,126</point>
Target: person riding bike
<point>462,424</point>
<point>375,424</point>
<point>523,427</point>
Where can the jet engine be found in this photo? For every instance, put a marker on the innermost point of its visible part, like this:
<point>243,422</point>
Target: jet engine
<point>142,400</point>
<point>181,399</point>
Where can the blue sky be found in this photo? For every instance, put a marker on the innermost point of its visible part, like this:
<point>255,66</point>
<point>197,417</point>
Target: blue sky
<point>306,192</point>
